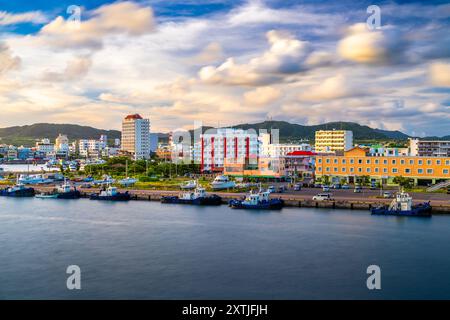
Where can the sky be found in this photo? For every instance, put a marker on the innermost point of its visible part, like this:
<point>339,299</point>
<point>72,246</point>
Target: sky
<point>225,63</point>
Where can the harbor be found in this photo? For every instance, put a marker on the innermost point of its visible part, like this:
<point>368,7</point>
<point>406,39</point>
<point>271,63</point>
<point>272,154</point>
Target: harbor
<point>341,198</point>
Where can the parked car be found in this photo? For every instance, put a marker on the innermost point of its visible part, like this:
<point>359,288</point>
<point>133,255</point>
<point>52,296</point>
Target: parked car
<point>346,186</point>
<point>323,197</point>
<point>373,187</point>
<point>281,189</point>
<point>387,194</point>
<point>297,187</point>
<point>317,185</point>
<point>358,189</point>
<point>336,186</point>
<point>325,188</point>
<point>271,189</point>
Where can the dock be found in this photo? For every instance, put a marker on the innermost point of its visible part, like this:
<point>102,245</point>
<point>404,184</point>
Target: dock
<point>291,200</point>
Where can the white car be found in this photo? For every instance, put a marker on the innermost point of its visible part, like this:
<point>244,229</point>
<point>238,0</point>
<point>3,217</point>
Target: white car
<point>322,197</point>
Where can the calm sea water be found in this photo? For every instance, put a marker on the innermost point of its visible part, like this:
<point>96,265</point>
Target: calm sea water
<point>155,251</point>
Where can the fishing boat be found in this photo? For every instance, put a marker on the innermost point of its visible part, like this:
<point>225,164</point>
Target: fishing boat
<point>110,194</point>
<point>196,197</point>
<point>105,180</point>
<point>257,200</point>
<point>188,185</point>
<point>402,205</point>
<point>19,190</point>
<point>128,181</point>
<point>222,182</point>
<point>65,191</point>
<point>46,196</point>
<point>31,179</point>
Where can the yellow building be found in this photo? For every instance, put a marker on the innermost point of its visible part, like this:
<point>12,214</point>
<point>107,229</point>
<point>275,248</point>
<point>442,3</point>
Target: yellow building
<point>357,163</point>
<point>333,140</point>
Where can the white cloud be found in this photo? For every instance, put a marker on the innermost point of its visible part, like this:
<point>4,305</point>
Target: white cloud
<point>35,17</point>
<point>440,74</point>
<point>117,18</point>
<point>262,96</point>
<point>75,70</point>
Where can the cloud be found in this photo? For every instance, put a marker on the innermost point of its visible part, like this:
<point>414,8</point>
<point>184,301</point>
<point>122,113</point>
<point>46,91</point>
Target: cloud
<point>7,60</point>
<point>285,56</point>
<point>213,52</point>
<point>35,17</point>
<point>379,46</point>
<point>118,18</point>
<point>440,74</point>
<point>262,96</point>
<point>75,70</point>
<point>335,87</point>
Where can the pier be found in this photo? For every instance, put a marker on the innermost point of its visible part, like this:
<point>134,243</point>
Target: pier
<point>299,200</point>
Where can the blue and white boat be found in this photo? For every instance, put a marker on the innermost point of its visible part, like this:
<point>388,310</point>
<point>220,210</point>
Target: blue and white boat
<point>31,179</point>
<point>128,182</point>
<point>106,180</point>
<point>110,194</point>
<point>402,205</point>
<point>222,182</point>
<point>19,190</point>
<point>196,197</point>
<point>257,200</point>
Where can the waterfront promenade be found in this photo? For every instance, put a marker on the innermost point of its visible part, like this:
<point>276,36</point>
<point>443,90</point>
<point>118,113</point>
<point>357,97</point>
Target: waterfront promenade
<point>343,199</point>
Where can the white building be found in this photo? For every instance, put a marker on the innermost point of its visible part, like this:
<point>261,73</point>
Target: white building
<point>136,136</point>
<point>269,149</point>
<point>45,146</point>
<point>216,145</point>
<point>429,148</point>
<point>90,148</point>
<point>333,140</point>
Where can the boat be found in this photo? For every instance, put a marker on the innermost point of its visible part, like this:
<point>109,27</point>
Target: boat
<point>105,180</point>
<point>196,197</point>
<point>222,182</point>
<point>31,179</point>
<point>19,190</point>
<point>402,205</point>
<point>257,200</point>
<point>128,181</point>
<point>110,194</point>
<point>47,196</point>
<point>65,191</point>
<point>192,184</point>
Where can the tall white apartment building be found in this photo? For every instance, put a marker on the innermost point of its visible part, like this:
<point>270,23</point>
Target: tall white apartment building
<point>90,148</point>
<point>429,148</point>
<point>333,140</point>
<point>136,136</point>
<point>217,145</point>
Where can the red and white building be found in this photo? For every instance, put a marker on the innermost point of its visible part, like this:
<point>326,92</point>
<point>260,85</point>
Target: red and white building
<point>234,145</point>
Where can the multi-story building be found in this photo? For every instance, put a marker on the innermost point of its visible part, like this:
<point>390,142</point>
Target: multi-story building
<point>45,147</point>
<point>357,162</point>
<point>429,148</point>
<point>90,148</point>
<point>333,140</point>
<point>218,145</point>
<point>299,164</point>
<point>136,136</point>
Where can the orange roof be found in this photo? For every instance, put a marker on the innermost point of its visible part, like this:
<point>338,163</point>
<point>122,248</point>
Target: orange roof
<point>133,116</point>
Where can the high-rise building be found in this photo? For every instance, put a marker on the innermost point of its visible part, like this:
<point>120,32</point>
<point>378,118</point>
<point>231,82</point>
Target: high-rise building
<point>429,148</point>
<point>333,140</point>
<point>136,136</point>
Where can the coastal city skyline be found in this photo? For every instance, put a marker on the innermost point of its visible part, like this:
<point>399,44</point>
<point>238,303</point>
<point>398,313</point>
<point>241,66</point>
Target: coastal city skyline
<point>225,63</point>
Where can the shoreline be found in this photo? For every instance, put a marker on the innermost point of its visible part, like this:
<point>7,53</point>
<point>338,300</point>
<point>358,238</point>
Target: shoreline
<point>291,200</point>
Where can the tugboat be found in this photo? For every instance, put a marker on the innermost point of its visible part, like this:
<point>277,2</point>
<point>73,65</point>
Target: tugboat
<point>402,205</point>
<point>110,194</point>
<point>196,197</point>
<point>257,200</point>
<point>19,190</point>
<point>65,191</point>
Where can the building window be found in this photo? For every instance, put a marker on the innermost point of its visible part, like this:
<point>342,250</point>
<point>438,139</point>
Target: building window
<point>319,160</point>
<point>351,169</point>
<point>335,161</point>
<point>429,171</point>
<point>352,161</point>
<point>359,169</point>
<point>407,170</point>
<point>429,163</point>
<point>394,161</point>
<point>328,169</point>
<point>377,161</point>
<point>335,169</point>
<point>320,168</point>
<point>419,171</point>
<point>376,169</point>
<point>368,161</point>
<point>343,161</point>
<point>438,162</point>
<point>385,170</point>
<point>343,170</point>
<point>384,161</point>
<point>411,161</point>
<point>328,160</point>
<point>445,171</point>
<point>402,161</point>
<point>394,170</point>
<point>447,162</point>
<point>368,170</point>
<point>359,161</point>
<point>419,162</point>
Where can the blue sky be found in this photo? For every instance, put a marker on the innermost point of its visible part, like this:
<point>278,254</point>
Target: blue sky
<point>214,61</point>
